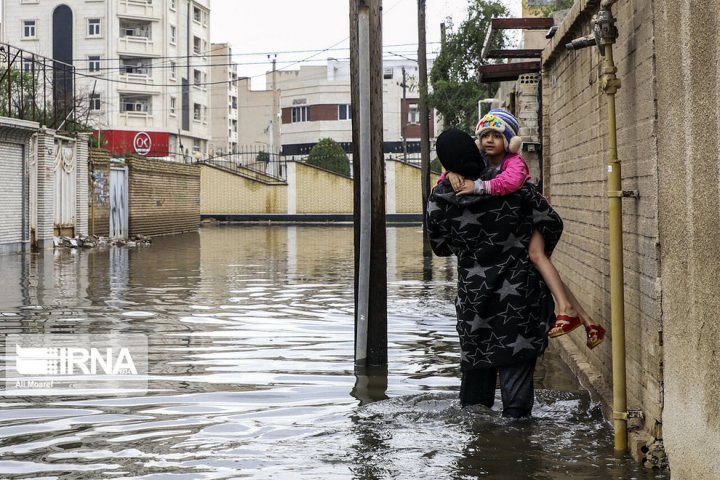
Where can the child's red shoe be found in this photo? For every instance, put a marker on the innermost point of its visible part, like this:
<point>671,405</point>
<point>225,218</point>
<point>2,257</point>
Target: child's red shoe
<point>595,335</point>
<point>564,324</point>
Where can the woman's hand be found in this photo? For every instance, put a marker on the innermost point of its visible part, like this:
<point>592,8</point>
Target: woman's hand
<point>467,188</point>
<point>456,181</point>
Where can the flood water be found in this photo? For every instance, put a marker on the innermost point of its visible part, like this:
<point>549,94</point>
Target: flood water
<point>250,333</point>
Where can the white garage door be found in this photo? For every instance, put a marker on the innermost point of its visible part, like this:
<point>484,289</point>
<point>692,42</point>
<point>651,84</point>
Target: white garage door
<point>11,193</point>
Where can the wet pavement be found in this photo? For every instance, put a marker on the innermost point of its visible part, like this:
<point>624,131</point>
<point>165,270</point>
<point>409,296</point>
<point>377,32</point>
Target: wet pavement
<point>250,360</point>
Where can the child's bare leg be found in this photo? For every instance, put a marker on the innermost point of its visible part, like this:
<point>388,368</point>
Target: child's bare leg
<point>586,320</point>
<point>551,276</point>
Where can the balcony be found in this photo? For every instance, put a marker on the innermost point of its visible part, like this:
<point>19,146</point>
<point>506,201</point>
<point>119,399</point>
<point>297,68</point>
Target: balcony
<point>137,71</point>
<point>140,8</point>
<point>139,120</point>
<point>136,38</point>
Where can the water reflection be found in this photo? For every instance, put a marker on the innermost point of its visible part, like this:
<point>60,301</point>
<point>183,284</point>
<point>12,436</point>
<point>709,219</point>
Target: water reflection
<point>250,332</point>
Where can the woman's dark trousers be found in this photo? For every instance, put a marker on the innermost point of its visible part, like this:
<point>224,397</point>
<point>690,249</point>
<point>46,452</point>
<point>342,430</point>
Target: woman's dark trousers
<point>516,388</point>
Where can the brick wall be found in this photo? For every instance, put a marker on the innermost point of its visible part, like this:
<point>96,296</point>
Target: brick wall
<point>164,197</point>
<point>321,191</point>
<point>45,149</point>
<point>99,195</point>
<point>576,152</point>
<point>227,193</point>
<point>404,185</point>
<point>82,153</point>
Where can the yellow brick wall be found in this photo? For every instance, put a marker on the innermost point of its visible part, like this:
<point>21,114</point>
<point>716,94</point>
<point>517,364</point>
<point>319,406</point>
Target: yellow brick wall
<point>317,192</point>
<point>226,193</point>
<point>408,189</point>
<point>320,191</point>
<point>576,152</point>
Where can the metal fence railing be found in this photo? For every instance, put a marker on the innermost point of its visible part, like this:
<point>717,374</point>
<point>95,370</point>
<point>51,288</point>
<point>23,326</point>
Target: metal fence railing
<point>258,165</point>
<point>37,88</point>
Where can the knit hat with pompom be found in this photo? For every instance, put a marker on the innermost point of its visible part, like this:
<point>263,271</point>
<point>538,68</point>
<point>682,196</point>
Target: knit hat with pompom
<point>502,121</point>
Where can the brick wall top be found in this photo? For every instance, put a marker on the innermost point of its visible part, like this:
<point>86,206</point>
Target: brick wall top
<point>99,155</point>
<point>161,166</point>
<point>581,12</point>
<point>17,131</point>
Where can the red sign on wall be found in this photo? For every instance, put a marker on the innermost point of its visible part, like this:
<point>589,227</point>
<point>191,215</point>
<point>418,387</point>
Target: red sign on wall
<point>146,144</point>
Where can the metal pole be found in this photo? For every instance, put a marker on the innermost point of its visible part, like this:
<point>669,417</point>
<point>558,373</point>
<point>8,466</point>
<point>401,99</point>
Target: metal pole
<point>365,179</point>
<point>605,34</point>
<point>424,123</point>
<point>403,122</point>
<point>617,294</point>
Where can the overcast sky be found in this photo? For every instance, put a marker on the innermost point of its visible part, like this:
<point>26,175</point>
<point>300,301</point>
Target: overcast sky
<point>302,32</point>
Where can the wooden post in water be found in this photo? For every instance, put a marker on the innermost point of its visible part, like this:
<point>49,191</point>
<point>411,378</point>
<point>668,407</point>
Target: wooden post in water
<point>369,183</point>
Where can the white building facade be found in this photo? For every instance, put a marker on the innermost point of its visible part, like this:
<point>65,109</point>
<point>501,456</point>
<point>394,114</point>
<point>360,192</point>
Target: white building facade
<point>223,101</point>
<point>314,102</point>
<point>142,67</point>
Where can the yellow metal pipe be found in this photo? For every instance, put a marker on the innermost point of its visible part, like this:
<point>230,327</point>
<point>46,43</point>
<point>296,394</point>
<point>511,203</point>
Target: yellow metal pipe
<point>617,294</point>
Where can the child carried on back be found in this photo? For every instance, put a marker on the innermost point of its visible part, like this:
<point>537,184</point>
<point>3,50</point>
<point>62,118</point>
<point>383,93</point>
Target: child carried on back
<point>499,143</point>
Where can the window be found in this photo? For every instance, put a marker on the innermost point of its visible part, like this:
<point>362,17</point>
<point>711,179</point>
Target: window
<point>172,5</point>
<point>27,65</point>
<point>135,29</point>
<point>197,14</point>
<point>197,48</point>
<point>196,145</point>
<point>233,103</point>
<point>136,66</point>
<point>173,34</point>
<point>172,105</point>
<point>344,112</point>
<point>173,74</point>
<point>300,114</point>
<point>93,63</point>
<point>413,113</point>
<point>135,104</point>
<point>93,27</point>
<point>197,112</point>
<point>29,29</point>
<point>94,101</point>
<point>197,77</point>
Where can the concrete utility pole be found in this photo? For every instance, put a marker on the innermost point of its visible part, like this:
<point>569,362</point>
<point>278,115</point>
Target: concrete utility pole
<point>275,147</point>
<point>369,184</point>
<point>403,124</point>
<point>424,123</point>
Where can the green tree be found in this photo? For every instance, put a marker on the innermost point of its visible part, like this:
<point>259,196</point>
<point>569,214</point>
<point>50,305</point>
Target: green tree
<point>454,75</point>
<point>328,154</point>
<point>552,7</point>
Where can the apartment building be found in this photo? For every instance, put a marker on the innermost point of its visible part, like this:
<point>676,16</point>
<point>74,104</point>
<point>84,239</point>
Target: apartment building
<point>314,102</point>
<point>142,67</point>
<point>223,100</point>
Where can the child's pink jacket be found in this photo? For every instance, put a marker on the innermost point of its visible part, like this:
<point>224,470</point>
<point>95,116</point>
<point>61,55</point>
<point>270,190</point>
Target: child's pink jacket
<point>514,174</point>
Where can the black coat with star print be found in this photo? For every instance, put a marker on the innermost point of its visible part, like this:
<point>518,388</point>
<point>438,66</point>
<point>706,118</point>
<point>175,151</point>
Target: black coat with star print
<point>504,309</point>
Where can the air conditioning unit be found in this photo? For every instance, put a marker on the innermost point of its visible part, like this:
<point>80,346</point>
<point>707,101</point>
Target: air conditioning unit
<point>387,73</point>
<point>138,107</point>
